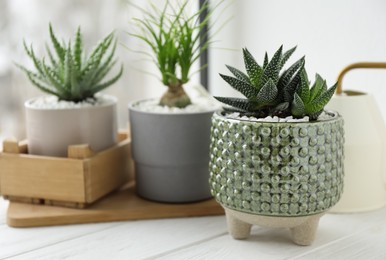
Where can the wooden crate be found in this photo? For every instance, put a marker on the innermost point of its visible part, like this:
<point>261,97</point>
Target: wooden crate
<point>76,181</point>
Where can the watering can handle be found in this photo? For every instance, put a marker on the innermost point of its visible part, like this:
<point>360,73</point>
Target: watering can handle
<point>359,65</point>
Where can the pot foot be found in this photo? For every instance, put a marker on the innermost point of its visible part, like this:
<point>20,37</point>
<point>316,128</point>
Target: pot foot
<point>303,228</point>
<point>304,234</point>
<point>237,228</point>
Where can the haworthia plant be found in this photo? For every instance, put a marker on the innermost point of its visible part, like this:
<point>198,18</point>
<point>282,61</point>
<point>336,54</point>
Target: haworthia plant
<point>70,74</point>
<point>271,90</point>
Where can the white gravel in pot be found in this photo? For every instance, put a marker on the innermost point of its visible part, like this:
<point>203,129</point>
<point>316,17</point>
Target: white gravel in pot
<point>202,101</point>
<point>235,115</point>
<point>52,102</point>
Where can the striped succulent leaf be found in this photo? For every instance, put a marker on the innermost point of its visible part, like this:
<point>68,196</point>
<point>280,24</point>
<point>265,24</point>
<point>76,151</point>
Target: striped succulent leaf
<point>239,103</point>
<point>244,88</point>
<point>253,69</point>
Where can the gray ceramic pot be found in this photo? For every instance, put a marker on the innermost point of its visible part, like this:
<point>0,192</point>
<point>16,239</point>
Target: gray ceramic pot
<point>286,170</point>
<point>171,155</point>
<point>51,131</point>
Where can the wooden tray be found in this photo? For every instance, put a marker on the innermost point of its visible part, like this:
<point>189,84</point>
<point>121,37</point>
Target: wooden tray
<point>76,181</point>
<point>121,205</point>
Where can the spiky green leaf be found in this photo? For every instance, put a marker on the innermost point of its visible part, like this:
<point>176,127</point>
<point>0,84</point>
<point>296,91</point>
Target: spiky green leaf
<point>286,56</point>
<point>253,69</point>
<point>267,93</point>
<point>304,87</point>
<point>320,101</point>
<point>240,103</point>
<point>297,107</point>
<point>78,50</point>
<point>288,74</point>
<point>244,88</point>
<point>266,60</point>
<point>239,74</point>
<point>318,87</point>
<point>272,70</point>
<point>290,88</point>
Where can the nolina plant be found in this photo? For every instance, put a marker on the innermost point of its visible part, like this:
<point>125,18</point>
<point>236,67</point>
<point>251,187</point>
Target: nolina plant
<point>272,91</point>
<point>174,40</point>
<point>71,75</point>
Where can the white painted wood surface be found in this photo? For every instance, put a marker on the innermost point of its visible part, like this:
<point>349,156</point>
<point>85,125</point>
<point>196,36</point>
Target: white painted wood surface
<point>346,236</point>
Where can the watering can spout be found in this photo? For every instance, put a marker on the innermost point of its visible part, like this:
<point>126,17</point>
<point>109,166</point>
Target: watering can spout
<point>365,146</point>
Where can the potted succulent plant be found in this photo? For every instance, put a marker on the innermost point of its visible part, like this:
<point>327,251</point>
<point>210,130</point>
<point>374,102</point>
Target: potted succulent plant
<point>73,113</point>
<point>276,157</point>
<point>170,135</point>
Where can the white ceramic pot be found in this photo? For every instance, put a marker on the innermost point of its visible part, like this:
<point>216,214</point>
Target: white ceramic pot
<point>51,131</point>
<point>365,153</point>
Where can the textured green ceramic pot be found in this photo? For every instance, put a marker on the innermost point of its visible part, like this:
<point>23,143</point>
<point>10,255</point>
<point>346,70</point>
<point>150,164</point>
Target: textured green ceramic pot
<point>277,169</point>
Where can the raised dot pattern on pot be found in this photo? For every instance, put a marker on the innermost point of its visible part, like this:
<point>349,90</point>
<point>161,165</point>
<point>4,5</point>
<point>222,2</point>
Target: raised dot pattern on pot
<point>276,169</point>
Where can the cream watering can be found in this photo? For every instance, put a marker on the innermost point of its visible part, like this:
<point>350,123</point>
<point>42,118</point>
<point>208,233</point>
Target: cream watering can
<point>365,146</point>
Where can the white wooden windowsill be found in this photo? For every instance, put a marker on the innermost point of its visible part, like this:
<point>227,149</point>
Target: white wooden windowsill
<point>340,236</point>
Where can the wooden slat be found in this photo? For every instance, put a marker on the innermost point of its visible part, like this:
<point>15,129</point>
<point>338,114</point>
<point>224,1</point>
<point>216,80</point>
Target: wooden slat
<point>121,205</point>
<point>38,177</point>
<point>107,170</point>
<point>80,151</point>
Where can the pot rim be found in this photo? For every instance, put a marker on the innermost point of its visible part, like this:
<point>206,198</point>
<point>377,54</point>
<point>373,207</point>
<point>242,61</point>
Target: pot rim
<point>335,114</point>
<point>131,107</point>
<point>112,101</point>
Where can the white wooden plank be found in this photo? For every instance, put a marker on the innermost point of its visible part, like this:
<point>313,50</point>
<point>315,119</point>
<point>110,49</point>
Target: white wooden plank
<point>365,244</point>
<point>134,240</point>
<point>269,244</point>
<point>3,210</point>
<point>15,241</point>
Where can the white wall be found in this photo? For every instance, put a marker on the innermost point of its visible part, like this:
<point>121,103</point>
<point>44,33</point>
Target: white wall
<point>332,34</point>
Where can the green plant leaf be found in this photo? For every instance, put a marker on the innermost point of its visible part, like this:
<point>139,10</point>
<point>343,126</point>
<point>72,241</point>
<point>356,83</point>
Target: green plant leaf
<point>297,108</point>
<point>272,70</point>
<point>238,74</point>
<point>253,69</point>
<point>304,88</point>
<point>267,93</point>
<point>78,50</point>
<point>321,101</point>
<point>286,56</point>
<point>60,50</point>
<point>318,87</point>
<point>109,82</point>
<point>266,60</point>
<point>290,88</point>
<point>242,104</point>
<point>288,74</point>
<point>244,88</point>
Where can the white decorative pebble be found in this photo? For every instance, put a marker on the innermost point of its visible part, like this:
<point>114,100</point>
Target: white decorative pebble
<point>202,101</point>
<point>198,105</point>
<point>289,119</point>
<point>52,102</point>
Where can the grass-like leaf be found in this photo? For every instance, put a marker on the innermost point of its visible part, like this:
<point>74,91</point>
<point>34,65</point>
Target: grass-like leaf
<point>175,40</point>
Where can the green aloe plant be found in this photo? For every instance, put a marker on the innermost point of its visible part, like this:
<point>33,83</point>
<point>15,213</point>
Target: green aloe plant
<point>175,45</point>
<point>70,74</point>
<point>272,91</point>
